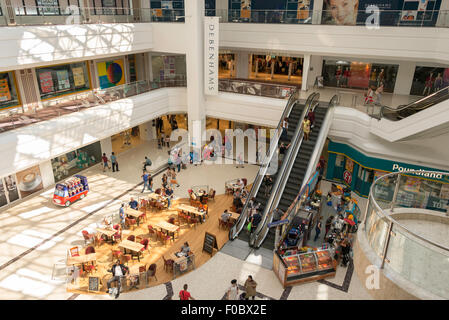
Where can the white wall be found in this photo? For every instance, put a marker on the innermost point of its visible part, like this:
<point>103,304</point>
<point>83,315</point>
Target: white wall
<point>47,173</point>
<point>106,146</point>
<point>24,47</point>
<point>399,43</point>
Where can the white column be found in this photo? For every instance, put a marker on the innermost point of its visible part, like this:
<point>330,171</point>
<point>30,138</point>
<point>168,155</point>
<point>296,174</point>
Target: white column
<point>242,64</point>
<point>221,9</point>
<point>317,11</point>
<point>194,24</point>
<point>305,71</point>
<point>404,78</point>
<point>48,177</point>
<point>106,146</point>
<point>443,16</point>
<point>315,69</point>
<point>272,69</point>
<point>147,131</point>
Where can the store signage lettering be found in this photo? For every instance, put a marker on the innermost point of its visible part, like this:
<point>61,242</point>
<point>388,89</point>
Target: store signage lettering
<point>211,55</point>
<point>419,172</point>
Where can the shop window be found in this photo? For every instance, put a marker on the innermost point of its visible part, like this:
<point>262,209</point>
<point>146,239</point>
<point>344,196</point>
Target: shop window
<point>8,92</point>
<point>62,79</point>
<point>427,80</point>
<point>76,161</point>
<point>8,190</point>
<point>359,75</point>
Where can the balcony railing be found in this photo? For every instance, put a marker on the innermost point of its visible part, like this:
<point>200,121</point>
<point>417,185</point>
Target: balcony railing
<point>52,108</point>
<point>411,255</point>
<point>51,15</point>
<point>402,18</point>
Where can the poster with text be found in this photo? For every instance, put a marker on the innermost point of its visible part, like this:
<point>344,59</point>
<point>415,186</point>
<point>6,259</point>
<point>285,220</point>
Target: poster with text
<point>5,94</point>
<point>78,77</point>
<point>46,82</point>
<point>63,79</point>
<point>29,181</point>
<point>111,73</point>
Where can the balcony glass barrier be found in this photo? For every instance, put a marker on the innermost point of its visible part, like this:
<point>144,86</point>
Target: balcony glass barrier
<point>407,18</point>
<point>400,202</point>
<point>43,15</point>
<point>256,88</point>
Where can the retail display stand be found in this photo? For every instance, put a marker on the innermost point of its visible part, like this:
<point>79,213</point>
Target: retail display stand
<point>70,190</point>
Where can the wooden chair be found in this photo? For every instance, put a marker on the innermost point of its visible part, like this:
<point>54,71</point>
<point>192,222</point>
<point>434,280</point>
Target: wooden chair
<point>151,231</point>
<point>126,258</point>
<point>88,237</point>
<point>168,264</point>
<point>221,224</point>
<point>152,271</point>
<point>165,238</point>
<point>116,254</point>
<point>130,222</point>
<point>212,194</point>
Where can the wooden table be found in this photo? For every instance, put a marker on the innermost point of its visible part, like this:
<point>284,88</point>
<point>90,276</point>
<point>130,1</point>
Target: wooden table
<point>190,209</point>
<point>133,246</point>
<point>168,227</point>
<point>153,196</point>
<point>134,213</point>
<point>82,259</point>
<point>107,232</point>
<point>234,215</point>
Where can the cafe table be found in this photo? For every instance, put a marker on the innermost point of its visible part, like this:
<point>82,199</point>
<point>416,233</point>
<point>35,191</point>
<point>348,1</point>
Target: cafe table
<point>133,246</point>
<point>169,227</point>
<point>133,213</point>
<point>234,216</point>
<point>154,196</point>
<point>190,209</point>
<point>107,232</point>
<point>82,259</point>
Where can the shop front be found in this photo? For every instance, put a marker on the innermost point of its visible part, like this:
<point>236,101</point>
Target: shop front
<point>276,68</point>
<point>63,79</point>
<point>359,75</point>
<point>75,161</point>
<point>427,80</point>
<point>358,171</point>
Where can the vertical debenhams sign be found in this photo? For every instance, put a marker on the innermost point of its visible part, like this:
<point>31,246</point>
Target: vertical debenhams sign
<point>211,55</point>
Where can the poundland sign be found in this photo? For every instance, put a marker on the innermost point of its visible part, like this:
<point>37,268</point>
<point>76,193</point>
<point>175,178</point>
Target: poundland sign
<point>211,55</point>
<point>420,172</point>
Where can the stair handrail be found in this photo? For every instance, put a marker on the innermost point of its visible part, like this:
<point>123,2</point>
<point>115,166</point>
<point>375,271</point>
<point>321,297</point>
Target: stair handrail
<point>238,226</point>
<point>310,170</point>
<point>284,171</point>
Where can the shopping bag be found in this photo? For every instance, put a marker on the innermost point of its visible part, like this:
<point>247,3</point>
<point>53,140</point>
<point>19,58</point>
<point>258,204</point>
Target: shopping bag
<point>329,203</point>
<point>248,227</point>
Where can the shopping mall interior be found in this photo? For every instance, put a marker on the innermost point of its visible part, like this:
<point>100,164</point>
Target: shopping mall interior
<point>151,144</point>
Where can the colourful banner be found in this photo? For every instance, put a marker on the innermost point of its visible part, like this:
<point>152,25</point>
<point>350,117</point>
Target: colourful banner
<point>111,73</point>
<point>78,76</point>
<point>46,82</point>
<point>63,79</point>
<point>5,94</point>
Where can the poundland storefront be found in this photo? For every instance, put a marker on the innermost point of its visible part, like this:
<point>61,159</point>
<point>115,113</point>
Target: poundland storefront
<point>358,171</point>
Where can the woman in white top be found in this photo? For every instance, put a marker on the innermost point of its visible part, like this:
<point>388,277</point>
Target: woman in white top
<point>233,291</point>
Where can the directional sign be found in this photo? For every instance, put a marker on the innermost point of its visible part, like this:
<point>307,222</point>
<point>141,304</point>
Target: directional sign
<point>278,223</point>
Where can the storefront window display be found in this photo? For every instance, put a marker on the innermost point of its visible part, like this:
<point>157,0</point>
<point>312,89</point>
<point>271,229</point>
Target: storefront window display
<point>62,79</point>
<point>359,75</point>
<point>427,80</point>
<point>283,68</point>
<point>76,161</point>
<point>169,67</point>
<point>8,92</point>
<point>226,65</point>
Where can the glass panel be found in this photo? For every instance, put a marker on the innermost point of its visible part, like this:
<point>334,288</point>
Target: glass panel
<point>376,231</point>
<point>417,262</point>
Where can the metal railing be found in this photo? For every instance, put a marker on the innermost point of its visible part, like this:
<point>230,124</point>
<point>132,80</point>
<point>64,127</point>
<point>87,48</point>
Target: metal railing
<point>284,172</point>
<point>418,259</point>
<point>263,170</point>
<point>256,88</point>
<point>44,15</point>
<point>427,18</point>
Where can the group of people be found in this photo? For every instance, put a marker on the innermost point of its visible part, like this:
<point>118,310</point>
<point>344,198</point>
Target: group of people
<point>373,95</point>
<point>113,162</point>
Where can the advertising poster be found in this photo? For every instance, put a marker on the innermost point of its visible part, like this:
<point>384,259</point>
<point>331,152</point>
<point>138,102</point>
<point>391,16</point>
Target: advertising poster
<point>111,73</point>
<point>412,184</point>
<point>360,73</point>
<point>78,76</point>
<point>29,181</point>
<point>353,12</point>
<point>46,82</point>
<point>63,79</point>
<point>303,9</point>
<point>11,188</point>
<point>5,94</point>
<point>245,9</point>
<point>349,165</point>
<point>166,5</point>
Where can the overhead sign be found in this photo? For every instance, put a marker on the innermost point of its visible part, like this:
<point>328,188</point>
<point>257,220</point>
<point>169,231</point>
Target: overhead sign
<point>211,26</point>
<point>278,223</point>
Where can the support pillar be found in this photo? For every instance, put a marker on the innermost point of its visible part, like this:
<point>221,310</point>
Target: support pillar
<point>305,71</point>
<point>147,131</point>
<point>221,9</point>
<point>404,78</point>
<point>317,11</point>
<point>242,65</point>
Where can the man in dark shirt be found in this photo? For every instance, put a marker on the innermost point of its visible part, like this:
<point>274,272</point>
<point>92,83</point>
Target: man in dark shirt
<point>133,203</point>
<point>256,219</point>
<point>169,195</point>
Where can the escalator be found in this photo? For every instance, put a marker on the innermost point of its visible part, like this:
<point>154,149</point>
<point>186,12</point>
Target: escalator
<point>405,111</point>
<point>299,167</point>
<point>293,112</point>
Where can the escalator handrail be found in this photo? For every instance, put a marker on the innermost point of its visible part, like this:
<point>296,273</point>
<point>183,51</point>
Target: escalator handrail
<point>284,171</point>
<point>264,231</point>
<point>428,99</point>
<point>238,226</point>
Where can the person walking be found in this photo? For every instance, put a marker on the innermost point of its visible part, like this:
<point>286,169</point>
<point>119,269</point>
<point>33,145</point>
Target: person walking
<point>146,163</point>
<point>250,288</point>
<point>378,94</point>
<point>306,128</point>
<point>328,225</point>
<point>164,181</point>
<point>105,162</point>
<point>184,294</point>
<point>317,230</point>
<point>233,291</point>
<point>173,178</point>
<point>118,272</point>
<point>167,140</point>
<point>121,214</point>
<point>114,162</point>
<point>169,196</point>
<point>150,182</point>
<point>145,181</point>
